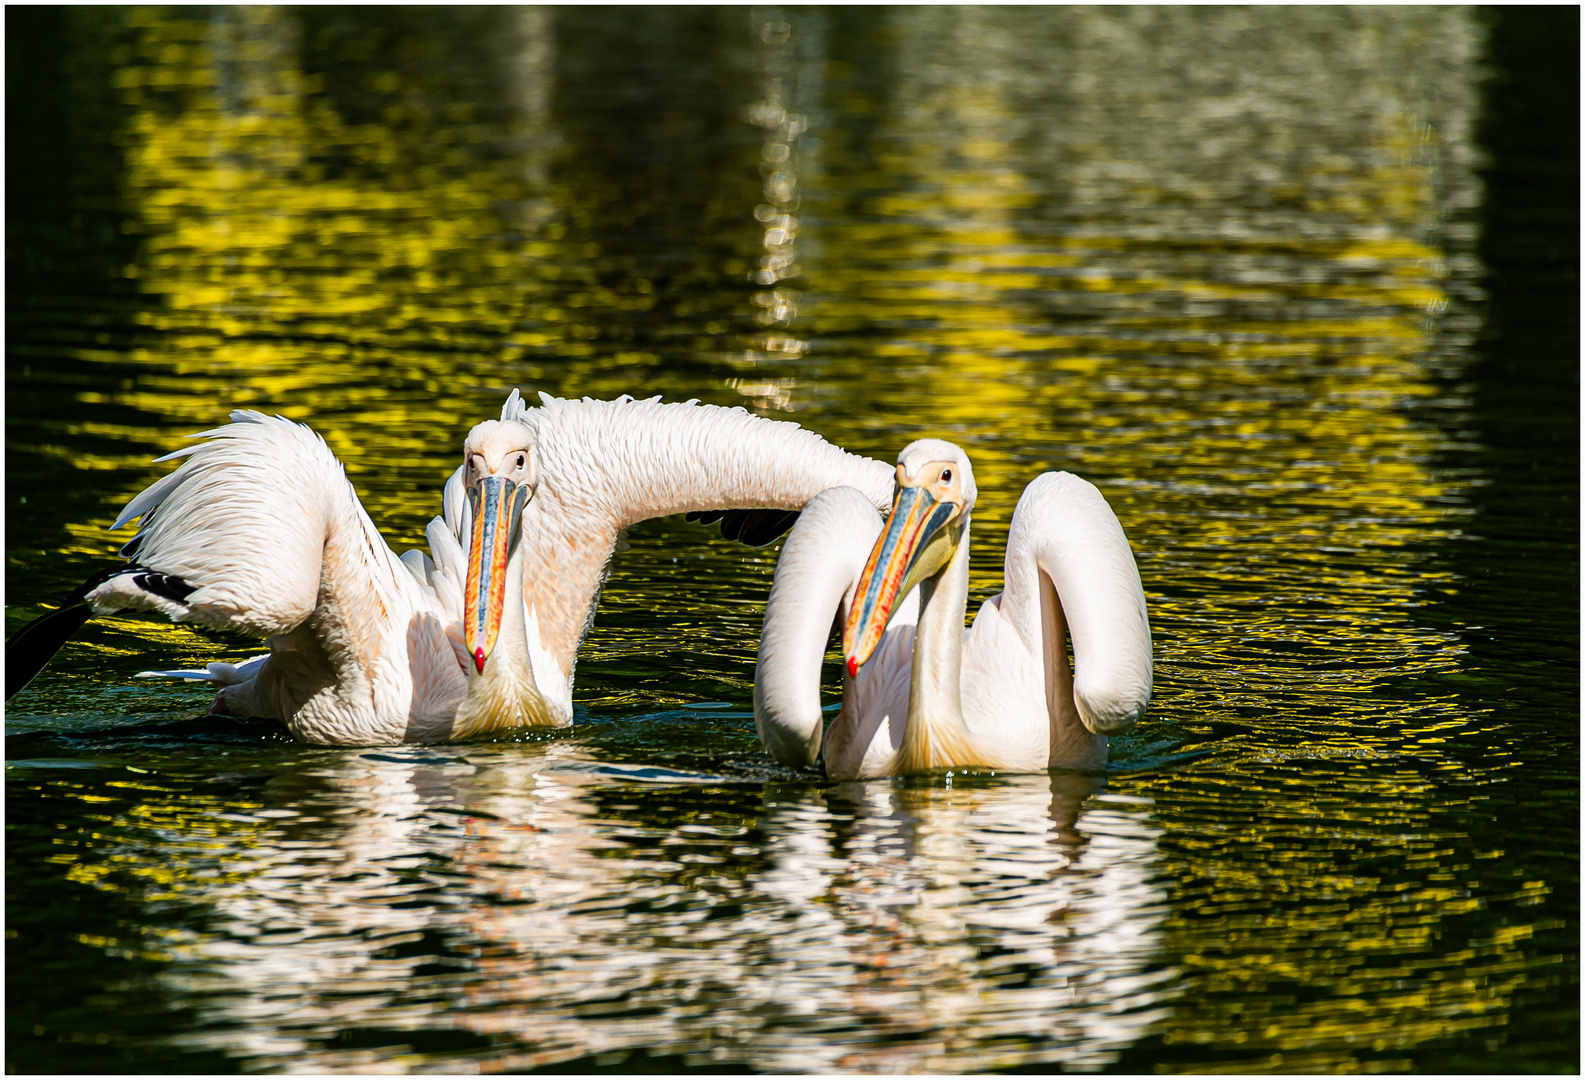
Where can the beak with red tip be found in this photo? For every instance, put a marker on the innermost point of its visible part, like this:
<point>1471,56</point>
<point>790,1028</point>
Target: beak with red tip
<point>918,542</point>
<point>497,511</point>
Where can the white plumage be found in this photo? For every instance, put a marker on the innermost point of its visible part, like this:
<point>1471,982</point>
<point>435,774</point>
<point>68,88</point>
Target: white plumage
<point>923,693</point>
<point>262,524</point>
<point>259,531</point>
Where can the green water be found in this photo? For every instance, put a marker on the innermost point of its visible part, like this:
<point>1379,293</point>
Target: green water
<point>1296,287</point>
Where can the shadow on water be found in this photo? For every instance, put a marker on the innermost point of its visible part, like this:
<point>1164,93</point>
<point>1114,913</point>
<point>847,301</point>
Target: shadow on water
<point>1297,288</point>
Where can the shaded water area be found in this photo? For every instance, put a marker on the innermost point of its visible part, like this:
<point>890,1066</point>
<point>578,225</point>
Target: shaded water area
<point>1296,288</point>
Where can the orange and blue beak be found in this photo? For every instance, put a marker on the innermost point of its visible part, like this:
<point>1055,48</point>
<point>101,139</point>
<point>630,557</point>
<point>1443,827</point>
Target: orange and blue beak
<point>917,542</point>
<point>497,513</point>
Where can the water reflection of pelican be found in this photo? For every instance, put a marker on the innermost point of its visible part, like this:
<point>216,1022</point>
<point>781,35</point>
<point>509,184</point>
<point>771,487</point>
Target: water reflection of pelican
<point>1009,920</point>
<point>259,532</point>
<point>555,915</point>
<point>922,694</point>
<point>328,917</point>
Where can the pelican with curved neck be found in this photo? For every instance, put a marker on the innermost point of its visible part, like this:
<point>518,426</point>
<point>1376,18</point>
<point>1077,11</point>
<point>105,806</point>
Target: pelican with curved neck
<point>259,532</point>
<point>919,693</point>
<point>601,467</point>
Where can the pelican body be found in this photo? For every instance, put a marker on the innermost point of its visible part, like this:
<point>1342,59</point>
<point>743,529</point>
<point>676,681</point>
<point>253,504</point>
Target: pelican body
<point>259,531</point>
<point>920,693</point>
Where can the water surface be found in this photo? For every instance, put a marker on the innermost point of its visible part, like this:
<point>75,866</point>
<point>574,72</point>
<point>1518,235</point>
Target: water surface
<point>1297,288</point>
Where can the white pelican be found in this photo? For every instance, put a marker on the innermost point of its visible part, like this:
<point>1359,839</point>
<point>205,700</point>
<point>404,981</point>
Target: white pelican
<point>259,531</point>
<point>921,693</point>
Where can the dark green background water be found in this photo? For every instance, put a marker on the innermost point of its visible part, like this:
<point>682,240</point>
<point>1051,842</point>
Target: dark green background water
<point>1297,288</point>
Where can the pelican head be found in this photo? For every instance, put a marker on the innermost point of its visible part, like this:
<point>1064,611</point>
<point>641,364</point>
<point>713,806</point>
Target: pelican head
<point>935,492</point>
<point>500,475</point>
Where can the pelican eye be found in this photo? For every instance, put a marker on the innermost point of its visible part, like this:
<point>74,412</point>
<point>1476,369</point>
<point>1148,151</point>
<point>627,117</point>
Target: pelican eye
<point>520,460</point>
<point>946,476</point>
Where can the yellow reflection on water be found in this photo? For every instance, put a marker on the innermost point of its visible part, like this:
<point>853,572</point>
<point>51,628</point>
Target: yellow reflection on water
<point>1357,886</point>
<point>295,250</point>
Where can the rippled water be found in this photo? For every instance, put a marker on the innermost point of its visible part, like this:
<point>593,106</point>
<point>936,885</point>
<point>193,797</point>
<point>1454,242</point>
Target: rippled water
<point>1297,288</point>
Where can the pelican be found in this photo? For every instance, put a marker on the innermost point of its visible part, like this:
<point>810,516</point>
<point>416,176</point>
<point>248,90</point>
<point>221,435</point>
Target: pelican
<point>919,692</point>
<point>259,531</point>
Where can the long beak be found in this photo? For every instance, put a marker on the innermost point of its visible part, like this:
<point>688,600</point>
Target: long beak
<point>497,509</point>
<point>915,544</point>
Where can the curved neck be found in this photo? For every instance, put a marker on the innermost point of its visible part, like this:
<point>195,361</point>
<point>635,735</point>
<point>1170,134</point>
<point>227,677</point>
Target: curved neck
<point>819,565</point>
<point>605,465</point>
<point>627,461</point>
<point>1070,567</point>
<point>935,735</point>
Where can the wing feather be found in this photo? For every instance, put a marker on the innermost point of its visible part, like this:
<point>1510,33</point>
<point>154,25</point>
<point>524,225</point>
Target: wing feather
<point>455,507</point>
<point>450,574</point>
<point>243,524</point>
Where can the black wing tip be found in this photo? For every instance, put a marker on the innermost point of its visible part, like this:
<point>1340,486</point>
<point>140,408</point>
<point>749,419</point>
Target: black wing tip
<point>757,528</point>
<point>169,586</point>
<point>30,649</point>
<point>35,645</point>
